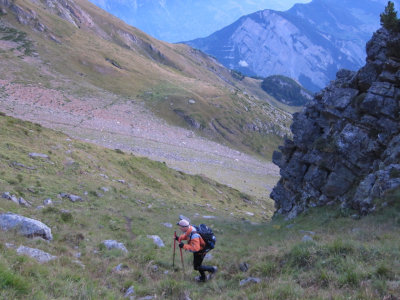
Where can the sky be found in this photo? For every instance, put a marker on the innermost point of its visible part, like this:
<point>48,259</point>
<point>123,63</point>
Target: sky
<point>179,20</point>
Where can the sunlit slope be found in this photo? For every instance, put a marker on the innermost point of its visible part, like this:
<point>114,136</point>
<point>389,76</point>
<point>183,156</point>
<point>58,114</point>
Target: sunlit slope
<point>85,52</point>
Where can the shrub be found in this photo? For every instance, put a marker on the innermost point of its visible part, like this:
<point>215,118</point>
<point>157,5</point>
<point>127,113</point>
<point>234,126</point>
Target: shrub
<point>389,18</point>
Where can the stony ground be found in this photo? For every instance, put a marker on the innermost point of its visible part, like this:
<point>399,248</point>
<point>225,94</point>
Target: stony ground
<point>129,126</point>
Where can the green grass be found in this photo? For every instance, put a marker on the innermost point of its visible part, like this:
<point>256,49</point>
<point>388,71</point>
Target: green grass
<point>347,259</point>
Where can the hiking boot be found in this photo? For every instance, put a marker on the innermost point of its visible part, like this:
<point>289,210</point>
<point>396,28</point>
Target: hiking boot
<point>200,279</point>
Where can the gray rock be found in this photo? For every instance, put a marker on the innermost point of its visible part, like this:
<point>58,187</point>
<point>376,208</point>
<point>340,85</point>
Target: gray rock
<point>346,141</point>
<point>112,244</point>
<point>37,254</point>
<point>23,202</point>
<point>47,202</point>
<point>157,240</point>
<point>244,267</point>
<point>208,217</point>
<point>8,196</point>
<point>169,225</point>
<point>129,292</point>
<point>208,257</point>
<point>25,226</point>
<point>182,217</point>
<point>307,238</point>
<point>249,280</point>
<point>38,155</point>
<point>73,198</point>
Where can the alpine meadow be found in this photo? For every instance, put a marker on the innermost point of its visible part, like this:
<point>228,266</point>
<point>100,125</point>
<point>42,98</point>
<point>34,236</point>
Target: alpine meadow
<point>113,142</point>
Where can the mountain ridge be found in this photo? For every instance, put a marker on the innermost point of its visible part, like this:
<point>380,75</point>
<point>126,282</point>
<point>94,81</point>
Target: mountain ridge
<point>299,43</point>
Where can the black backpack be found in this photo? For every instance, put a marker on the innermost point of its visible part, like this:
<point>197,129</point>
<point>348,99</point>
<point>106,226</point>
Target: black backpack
<point>207,235</point>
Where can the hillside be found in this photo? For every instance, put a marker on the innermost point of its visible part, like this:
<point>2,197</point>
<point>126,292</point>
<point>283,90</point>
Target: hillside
<point>286,90</point>
<point>321,254</point>
<point>98,71</point>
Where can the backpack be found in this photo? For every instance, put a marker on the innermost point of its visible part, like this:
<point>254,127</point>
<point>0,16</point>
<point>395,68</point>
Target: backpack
<point>207,235</point>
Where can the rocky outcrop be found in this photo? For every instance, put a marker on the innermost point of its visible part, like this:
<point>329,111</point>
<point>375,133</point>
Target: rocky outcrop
<point>346,144</point>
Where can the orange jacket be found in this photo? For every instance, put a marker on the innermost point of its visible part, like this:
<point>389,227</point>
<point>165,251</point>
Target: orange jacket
<point>195,241</point>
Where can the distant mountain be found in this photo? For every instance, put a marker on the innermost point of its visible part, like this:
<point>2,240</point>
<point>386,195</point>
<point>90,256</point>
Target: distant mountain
<point>177,20</point>
<point>310,42</point>
<point>286,90</point>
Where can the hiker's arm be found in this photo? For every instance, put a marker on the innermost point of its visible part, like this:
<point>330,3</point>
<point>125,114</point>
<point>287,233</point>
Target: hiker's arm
<point>183,237</point>
<point>193,245</point>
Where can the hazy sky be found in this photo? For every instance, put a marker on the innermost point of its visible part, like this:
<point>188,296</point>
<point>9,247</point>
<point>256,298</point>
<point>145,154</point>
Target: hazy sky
<point>178,20</point>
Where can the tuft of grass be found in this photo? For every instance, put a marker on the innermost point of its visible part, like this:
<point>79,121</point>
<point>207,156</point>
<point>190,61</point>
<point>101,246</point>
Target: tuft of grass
<point>15,282</point>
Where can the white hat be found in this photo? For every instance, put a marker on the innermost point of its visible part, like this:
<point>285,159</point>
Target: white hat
<point>183,223</point>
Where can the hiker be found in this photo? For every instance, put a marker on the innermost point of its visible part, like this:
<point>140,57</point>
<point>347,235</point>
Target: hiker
<point>195,244</point>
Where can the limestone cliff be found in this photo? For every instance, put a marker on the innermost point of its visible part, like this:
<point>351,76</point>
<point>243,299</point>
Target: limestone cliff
<point>346,141</point>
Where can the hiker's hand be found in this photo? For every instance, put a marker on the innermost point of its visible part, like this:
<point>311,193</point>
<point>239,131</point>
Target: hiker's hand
<point>177,238</point>
<point>180,245</point>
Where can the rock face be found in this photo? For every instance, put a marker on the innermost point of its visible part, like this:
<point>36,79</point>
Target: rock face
<point>25,226</point>
<point>346,142</point>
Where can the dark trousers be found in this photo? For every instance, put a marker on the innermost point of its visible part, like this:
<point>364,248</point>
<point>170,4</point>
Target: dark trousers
<point>197,260</point>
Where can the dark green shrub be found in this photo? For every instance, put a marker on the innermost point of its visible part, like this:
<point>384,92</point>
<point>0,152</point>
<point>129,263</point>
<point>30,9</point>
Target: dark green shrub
<point>389,18</point>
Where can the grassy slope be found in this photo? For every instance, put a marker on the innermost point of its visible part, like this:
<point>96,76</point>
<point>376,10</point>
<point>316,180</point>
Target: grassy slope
<point>181,74</point>
<point>348,259</point>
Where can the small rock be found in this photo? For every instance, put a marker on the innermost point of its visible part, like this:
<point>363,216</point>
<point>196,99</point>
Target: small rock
<point>208,217</point>
<point>146,298</point>
<point>307,238</point>
<point>38,155</point>
<point>182,217</point>
<point>37,254</point>
<point>120,268</point>
<point>169,225</point>
<point>12,246</point>
<point>112,244</point>
<point>249,213</point>
<point>71,197</point>
<point>129,292</point>
<point>289,226</point>
<point>105,189</point>
<point>121,181</point>
<point>157,240</point>
<point>308,232</point>
<point>23,202</point>
<point>192,101</point>
<point>249,280</point>
<point>47,201</point>
<point>208,257</point>
<point>79,263</point>
<point>244,267</point>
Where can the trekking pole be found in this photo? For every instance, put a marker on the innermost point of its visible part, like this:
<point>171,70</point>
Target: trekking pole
<point>173,257</point>
<point>183,265</point>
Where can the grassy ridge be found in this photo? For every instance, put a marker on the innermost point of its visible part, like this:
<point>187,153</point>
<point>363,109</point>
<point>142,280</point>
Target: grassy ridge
<point>346,259</point>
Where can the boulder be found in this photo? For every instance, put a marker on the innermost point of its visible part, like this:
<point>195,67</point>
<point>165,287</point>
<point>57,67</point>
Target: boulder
<point>112,244</point>
<point>37,254</point>
<point>25,226</point>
